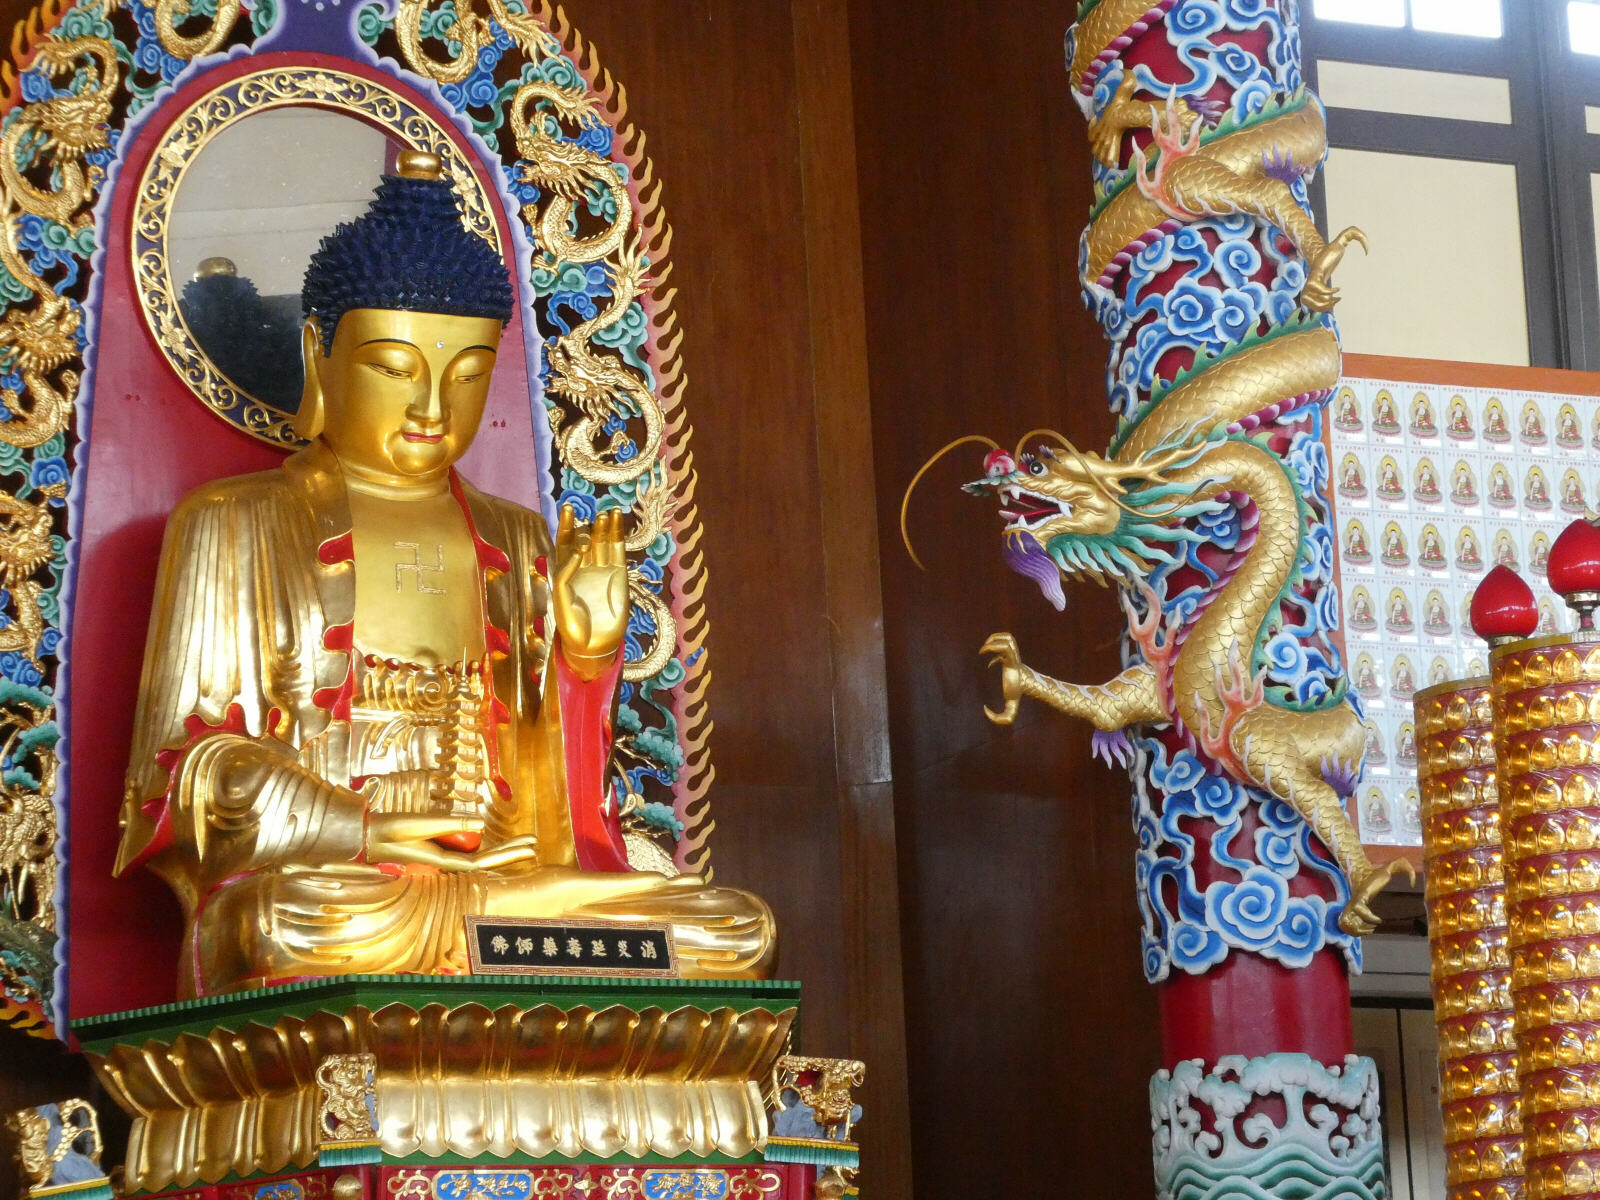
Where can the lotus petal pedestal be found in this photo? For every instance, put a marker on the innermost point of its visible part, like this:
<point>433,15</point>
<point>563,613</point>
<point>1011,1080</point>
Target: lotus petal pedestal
<point>456,1088</point>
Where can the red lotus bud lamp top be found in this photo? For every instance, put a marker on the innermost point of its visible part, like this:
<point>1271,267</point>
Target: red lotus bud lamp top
<point>1503,607</point>
<point>1574,569</point>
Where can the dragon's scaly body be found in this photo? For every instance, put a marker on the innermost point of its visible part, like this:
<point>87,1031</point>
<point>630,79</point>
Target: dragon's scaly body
<point>1200,446</point>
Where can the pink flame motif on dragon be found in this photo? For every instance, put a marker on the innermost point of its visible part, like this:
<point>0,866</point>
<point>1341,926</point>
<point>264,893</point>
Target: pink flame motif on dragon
<point>1207,510</point>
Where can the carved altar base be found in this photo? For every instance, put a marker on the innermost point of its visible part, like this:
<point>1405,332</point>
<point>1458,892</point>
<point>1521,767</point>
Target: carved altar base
<point>458,1087</point>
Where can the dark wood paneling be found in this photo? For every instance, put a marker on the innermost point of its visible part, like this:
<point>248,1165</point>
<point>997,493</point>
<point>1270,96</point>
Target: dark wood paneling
<point>750,133</point>
<point>1031,1034</point>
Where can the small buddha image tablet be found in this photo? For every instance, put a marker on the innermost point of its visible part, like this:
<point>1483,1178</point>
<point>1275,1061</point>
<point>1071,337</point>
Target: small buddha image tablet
<point>1390,485</point>
<point>1530,427</point>
<point>1430,549</point>
<point>1352,479</point>
<point>1423,424</point>
<point>1357,548</point>
<point>1469,552</point>
<point>1539,553</point>
<point>1505,549</point>
<point>1397,612</point>
<point>1436,614</point>
<point>1536,491</point>
<point>1425,483</point>
<point>1501,493</point>
<point>1402,678</point>
<point>1569,433</point>
<point>1572,497</point>
<point>1496,428</point>
<point>1347,412</point>
<point>1385,417</point>
<point>1395,552</point>
<point>1364,677</point>
<point>1361,618</point>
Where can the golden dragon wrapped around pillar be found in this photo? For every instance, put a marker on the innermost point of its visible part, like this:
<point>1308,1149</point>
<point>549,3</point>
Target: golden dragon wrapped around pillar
<point>1213,284</point>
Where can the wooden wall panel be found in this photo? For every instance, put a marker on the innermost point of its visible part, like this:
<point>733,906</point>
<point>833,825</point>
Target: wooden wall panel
<point>1031,1034</point>
<point>747,107</point>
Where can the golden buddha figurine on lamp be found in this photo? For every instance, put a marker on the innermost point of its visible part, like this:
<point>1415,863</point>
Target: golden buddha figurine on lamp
<point>376,701</point>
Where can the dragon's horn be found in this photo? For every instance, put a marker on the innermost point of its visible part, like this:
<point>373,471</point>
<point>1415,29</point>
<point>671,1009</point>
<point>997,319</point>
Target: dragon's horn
<point>905,501</point>
<point>1105,473</point>
<point>1058,438</point>
<point>1152,463</point>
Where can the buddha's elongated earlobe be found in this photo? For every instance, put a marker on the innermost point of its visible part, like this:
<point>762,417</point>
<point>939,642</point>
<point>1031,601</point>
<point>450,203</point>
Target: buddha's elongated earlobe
<point>308,420</point>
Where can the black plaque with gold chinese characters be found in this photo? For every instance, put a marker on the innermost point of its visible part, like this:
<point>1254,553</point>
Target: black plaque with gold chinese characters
<point>527,946</point>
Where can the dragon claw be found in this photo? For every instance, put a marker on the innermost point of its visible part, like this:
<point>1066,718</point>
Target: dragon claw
<point>1358,919</point>
<point>1319,294</point>
<point>1003,648</point>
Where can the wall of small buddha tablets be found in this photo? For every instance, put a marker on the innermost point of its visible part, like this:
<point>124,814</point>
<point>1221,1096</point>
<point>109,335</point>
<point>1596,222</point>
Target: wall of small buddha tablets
<point>1433,485</point>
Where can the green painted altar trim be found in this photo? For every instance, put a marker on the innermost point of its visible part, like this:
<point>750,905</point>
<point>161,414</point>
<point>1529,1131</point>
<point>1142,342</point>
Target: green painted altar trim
<point>165,1021</point>
<point>815,1151</point>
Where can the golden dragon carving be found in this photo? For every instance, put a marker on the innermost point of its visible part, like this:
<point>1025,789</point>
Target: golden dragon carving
<point>472,33</point>
<point>1187,454</point>
<point>601,387</point>
<point>60,131</point>
<point>26,546</point>
<point>28,844</point>
<point>1125,113</point>
<point>44,173</point>
<point>172,13</point>
<point>1246,170</point>
<point>1105,518</point>
<point>1099,29</point>
<point>565,171</point>
<point>39,341</point>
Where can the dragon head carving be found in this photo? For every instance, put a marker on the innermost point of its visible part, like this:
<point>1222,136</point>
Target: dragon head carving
<point>1071,513</point>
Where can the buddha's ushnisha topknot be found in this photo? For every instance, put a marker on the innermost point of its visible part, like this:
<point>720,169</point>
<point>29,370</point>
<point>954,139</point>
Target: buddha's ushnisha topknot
<point>408,251</point>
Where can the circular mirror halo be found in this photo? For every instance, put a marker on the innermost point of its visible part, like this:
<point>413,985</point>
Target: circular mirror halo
<point>158,284</point>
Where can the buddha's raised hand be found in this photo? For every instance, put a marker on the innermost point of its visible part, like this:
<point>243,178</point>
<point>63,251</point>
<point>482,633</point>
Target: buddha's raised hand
<point>591,590</point>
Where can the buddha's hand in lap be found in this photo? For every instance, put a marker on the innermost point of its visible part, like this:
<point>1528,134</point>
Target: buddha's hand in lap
<point>591,590</point>
<point>408,838</point>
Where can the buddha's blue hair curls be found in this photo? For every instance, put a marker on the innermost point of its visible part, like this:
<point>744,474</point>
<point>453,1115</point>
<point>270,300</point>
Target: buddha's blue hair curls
<point>408,251</point>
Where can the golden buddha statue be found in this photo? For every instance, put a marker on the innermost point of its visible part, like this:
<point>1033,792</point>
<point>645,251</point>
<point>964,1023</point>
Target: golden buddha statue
<point>376,701</point>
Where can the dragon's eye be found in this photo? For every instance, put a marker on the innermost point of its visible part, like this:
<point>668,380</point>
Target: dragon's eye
<point>1036,467</point>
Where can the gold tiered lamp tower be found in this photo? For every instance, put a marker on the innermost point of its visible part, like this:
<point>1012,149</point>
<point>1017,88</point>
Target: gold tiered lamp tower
<point>1466,897</point>
<point>1547,730</point>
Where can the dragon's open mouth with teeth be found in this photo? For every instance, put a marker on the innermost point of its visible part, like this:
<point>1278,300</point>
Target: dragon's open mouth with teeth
<point>1026,505</point>
<point>1023,509</point>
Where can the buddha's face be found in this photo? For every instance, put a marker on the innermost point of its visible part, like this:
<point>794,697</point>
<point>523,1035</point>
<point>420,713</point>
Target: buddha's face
<point>403,392</point>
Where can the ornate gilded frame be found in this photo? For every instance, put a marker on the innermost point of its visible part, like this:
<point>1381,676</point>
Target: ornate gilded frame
<point>187,138</point>
<point>533,102</point>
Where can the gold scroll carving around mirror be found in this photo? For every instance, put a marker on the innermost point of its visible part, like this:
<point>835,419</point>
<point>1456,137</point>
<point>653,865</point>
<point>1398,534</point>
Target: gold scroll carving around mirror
<point>408,126</point>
